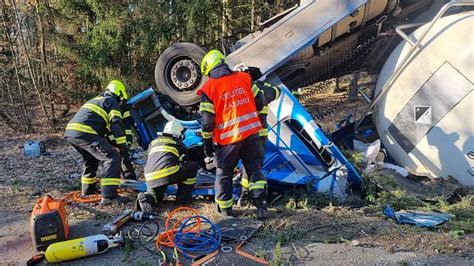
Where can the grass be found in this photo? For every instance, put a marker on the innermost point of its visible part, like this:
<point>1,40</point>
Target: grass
<point>276,260</point>
<point>103,216</point>
<point>303,200</point>
<point>463,216</point>
<point>128,249</point>
<point>379,189</point>
<point>443,248</point>
<point>16,186</point>
<point>382,189</point>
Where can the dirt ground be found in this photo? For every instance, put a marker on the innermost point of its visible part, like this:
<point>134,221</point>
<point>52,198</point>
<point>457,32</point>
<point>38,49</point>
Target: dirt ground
<point>297,232</point>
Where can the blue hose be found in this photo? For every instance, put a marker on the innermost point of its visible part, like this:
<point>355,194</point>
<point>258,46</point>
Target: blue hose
<point>205,241</point>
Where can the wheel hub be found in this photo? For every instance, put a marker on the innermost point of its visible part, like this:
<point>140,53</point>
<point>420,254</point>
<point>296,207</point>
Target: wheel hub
<point>184,74</point>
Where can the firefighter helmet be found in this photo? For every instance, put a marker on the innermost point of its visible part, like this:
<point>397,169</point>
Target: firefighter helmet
<point>242,67</point>
<point>211,60</point>
<point>173,128</point>
<point>117,88</point>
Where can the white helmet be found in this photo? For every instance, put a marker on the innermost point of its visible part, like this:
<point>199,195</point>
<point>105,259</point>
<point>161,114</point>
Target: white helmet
<point>173,128</point>
<point>242,67</point>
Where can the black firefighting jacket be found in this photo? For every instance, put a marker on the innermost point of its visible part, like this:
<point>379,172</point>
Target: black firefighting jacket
<point>98,116</point>
<point>164,154</point>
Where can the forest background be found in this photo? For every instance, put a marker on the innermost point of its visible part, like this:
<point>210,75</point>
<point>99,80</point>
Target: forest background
<point>55,54</point>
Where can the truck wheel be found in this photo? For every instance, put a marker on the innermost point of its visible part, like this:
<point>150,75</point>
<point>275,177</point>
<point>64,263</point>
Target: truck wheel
<point>178,73</point>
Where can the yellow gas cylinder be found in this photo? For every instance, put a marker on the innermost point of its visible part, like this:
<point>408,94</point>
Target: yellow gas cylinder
<point>80,247</point>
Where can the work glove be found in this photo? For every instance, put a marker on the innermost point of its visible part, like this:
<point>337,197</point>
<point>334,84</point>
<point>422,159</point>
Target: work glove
<point>208,148</point>
<point>255,73</point>
<point>210,163</point>
<point>123,149</point>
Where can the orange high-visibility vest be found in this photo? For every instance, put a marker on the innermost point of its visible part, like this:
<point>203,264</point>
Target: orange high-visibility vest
<point>236,116</point>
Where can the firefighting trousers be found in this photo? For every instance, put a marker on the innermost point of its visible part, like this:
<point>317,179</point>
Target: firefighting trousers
<point>185,178</point>
<point>251,152</point>
<point>245,178</point>
<point>96,150</point>
<point>127,167</point>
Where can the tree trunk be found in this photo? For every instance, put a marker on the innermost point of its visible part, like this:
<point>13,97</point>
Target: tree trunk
<point>30,68</point>
<point>26,118</point>
<point>353,86</point>
<point>252,17</point>
<point>44,62</point>
<point>337,89</point>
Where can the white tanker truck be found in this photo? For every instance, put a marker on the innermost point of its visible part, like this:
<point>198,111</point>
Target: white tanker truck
<point>423,103</point>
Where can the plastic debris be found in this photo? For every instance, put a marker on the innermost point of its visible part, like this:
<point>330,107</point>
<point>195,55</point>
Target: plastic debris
<point>421,219</point>
<point>402,171</point>
<point>374,157</point>
<point>33,149</point>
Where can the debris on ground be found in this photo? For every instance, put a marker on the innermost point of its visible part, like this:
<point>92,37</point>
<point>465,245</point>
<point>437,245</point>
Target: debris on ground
<point>421,219</point>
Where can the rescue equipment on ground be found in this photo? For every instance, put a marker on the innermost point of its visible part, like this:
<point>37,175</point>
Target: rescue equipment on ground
<point>76,196</point>
<point>235,233</point>
<point>48,222</point>
<point>112,227</point>
<point>191,240</point>
<point>127,215</point>
<point>81,247</point>
<point>166,238</point>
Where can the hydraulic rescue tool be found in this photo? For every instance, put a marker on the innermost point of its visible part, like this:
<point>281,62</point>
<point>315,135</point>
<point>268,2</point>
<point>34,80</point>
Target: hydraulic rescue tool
<point>127,215</point>
<point>48,222</point>
<point>81,247</point>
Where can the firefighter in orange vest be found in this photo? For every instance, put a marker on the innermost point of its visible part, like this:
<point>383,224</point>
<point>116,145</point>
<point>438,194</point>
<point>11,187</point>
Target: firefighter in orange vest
<point>230,106</point>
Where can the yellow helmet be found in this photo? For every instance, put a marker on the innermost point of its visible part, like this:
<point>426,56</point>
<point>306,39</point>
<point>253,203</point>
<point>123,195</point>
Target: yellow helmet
<point>117,88</point>
<point>211,60</point>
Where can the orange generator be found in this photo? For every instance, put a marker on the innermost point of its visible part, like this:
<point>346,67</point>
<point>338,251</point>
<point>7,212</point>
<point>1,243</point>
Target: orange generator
<point>48,223</point>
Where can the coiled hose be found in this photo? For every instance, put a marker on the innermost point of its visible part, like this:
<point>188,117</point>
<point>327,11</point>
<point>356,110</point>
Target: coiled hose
<point>206,240</point>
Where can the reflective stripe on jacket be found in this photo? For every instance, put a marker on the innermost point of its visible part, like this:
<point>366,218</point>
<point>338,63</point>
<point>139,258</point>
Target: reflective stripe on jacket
<point>163,160</point>
<point>97,116</point>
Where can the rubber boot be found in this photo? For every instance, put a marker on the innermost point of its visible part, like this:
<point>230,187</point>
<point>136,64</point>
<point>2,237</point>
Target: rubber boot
<point>89,189</point>
<point>184,195</point>
<point>262,211</point>
<point>116,200</point>
<point>146,202</point>
<point>226,213</point>
<point>130,175</point>
<point>244,199</point>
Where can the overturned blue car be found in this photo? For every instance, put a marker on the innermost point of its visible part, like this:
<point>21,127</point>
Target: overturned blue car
<point>297,153</point>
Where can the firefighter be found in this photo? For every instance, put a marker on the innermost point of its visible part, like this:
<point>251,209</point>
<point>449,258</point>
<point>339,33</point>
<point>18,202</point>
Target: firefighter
<point>270,93</point>
<point>167,165</point>
<point>87,132</point>
<point>230,106</point>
